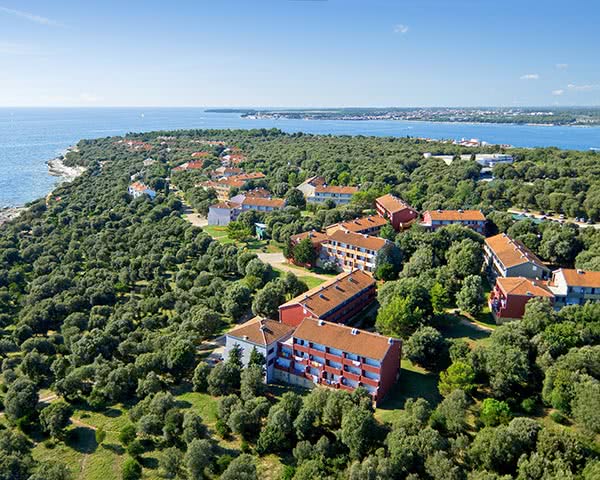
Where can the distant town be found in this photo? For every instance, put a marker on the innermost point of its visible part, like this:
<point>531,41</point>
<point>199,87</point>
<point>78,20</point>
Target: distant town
<point>575,116</point>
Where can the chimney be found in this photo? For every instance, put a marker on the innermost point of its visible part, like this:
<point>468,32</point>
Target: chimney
<point>354,331</point>
<point>321,323</point>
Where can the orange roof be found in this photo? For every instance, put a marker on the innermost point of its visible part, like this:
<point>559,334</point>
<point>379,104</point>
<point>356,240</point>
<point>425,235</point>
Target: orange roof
<point>456,215</point>
<point>357,239</point>
<point>248,176</point>
<point>336,189</point>
<point>258,192</point>
<point>264,202</point>
<point>360,224</point>
<point>511,252</point>
<point>200,154</point>
<point>580,278</point>
<point>331,294</point>
<point>315,237</point>
<point>334,335</point>
<point>226,204</point>
<point>139,186</point>
<point>524,287</point>
<point>392,203</point>
<point>261,331</point>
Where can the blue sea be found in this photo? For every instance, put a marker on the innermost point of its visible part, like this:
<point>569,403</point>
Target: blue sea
<point>31,136</point>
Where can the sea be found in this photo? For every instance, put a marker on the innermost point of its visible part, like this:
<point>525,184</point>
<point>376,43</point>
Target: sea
<point>31,136</point>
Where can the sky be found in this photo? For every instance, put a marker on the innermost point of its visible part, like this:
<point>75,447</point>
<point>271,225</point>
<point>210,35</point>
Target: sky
<point>299,53</point>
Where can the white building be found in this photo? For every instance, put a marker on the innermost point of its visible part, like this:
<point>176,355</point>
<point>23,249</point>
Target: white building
<point>261,334</point>
<point>137,189</point>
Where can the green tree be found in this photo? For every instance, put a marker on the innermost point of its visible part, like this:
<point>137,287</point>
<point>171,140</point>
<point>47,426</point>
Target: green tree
<point>200,378</point>
<point>357,431</point>
<point>55,418</point>
<point>197,457</point>
<point>252,382</point>
<point>241,468</point>
<point>267,300</point>
<point>21,399</point>
<point>397,318</point>
<point>303,252</point>
<point>470,297</point>
<point>439,298</point>
<point>427,348</point>
<point>494,412</point>
<point>459,375</point>
<point>132,470</point>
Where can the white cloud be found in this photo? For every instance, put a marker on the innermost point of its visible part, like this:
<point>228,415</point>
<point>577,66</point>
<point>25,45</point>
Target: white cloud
<point>558,93</point>
<point>562,66</point>
<point>530,76</point>
<point>402,29</point>
<point>30,16</point>
<point>582,88</point>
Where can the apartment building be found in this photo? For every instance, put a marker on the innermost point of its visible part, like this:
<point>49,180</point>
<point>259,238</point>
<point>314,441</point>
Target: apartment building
<point>510,295</point>
<point>396,211</point>
<point>261,334</point>
<point>224,212</point>
<point>138,189</point>
<point>434,219</point>
<point>340,357</point>
<point>316,190</point>
<point>505,257</point>
<point>575,287</point>
<point>351,250</point>
<point>338,300</point>
<point>370,225</point>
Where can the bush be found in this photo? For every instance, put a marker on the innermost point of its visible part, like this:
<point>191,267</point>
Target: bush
<point>529,405</point>
<point>559,418</point>
<point>494,412</point>
<point>132,470</point>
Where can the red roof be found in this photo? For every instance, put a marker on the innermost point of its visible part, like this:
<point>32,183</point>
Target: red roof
<point>456,215</point>
<point>357,240</point>
<point>261,331</point>
<point>392,203</point>
<point>524,287</point>
<point>264,202</point>
<point>347,339</point>
<point>580,278</point>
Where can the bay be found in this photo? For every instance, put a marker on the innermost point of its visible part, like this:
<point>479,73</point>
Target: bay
<point>31,136</point>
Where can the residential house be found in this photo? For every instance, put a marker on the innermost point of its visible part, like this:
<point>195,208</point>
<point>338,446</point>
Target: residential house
<point>262,335</point>
<point>370,225</point>
<point>340,357</point>
<point>337,300</point>
<point>351,250</point>
<point>260,204</point>
<point>226,172</point>
<point>575,287</point>
<point>192,165</point>
<point>399,213</point>
<point>434,219</point>
<point>201,154</point>
<point>223,186</point>
<point>506,257</point>
<point>138,189</point>
<point>316,190</point>
<point>510,295</point>
<point>223,213</point>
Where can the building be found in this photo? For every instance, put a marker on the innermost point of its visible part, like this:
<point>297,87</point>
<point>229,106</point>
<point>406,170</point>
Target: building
<point>510,295</point>
<point>138,189</point>
<point>226,172</point>
<point>351,251</point>
<point>506,257</point>
<point>223,186</point>
<point>434,219</point>
<point>340,357</point>
<point>192,165</point>
<point>226,211</point>
<point>489,160</point>
<point>316,238</point>
<point>337,300</point>
<point>201,154</point>
<point>396,211</point>
<point>575,287</point>
<point>370,225</point>
<point>223,213</point>
<point>260,334</point>
<point>316,190</point>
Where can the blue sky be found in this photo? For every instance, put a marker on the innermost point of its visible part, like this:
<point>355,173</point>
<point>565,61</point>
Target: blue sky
<point>299,53</point>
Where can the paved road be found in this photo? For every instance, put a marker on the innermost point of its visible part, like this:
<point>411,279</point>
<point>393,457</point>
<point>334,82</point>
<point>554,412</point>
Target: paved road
<point>553,217</point>
<point>277,260</point>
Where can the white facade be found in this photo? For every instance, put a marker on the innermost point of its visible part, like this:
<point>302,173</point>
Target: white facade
<point>269,352</point>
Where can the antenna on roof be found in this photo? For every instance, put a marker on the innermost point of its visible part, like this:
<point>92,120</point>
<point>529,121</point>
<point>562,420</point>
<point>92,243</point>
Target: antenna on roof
<point>321,323</point>
<point>354,331</point>
<point>390,340</point>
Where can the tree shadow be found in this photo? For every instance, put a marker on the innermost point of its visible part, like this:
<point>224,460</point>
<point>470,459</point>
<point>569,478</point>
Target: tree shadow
<point>114,447</point>
<point>82,440</point>
<point>456,328</point>
<point>112,412</point>
<point>150,463</point>
<point>412,384</point>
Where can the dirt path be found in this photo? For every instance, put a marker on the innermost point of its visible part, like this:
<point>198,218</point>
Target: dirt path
<point>277,260</point>
<point>476,326</point>
<point>196,219</point>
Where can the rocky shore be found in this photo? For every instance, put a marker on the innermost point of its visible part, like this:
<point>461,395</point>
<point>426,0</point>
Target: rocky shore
<point>57,168</point>
<point>9,213</point>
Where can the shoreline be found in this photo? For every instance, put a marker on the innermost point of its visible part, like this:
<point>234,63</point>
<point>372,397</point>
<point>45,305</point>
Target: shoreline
<point>10,213</point>
<point>57,167</point>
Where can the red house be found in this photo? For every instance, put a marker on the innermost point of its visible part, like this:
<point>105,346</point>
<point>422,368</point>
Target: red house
<point>399,213</point>
<point>336,356</point>
<point>510,295</point>
<point>337,300</point>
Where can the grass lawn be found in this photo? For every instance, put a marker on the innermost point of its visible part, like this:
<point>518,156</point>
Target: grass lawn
<point>216,231</point>
<point>414,382</point>
<point>312,282</point>
<point>472,334</point>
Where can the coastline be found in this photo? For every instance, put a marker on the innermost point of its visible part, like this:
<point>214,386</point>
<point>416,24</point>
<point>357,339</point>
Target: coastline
<point>56,168</point>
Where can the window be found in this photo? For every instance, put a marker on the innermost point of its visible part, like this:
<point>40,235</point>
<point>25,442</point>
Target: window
<point>270,362</point>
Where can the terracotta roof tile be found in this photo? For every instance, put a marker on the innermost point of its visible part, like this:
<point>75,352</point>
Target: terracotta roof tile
<point>456,215</point>
<point>580,278</point>
<point>331,294</point>
<point>360,224</point>
<point>358,240</point>
<point>392,203</point>
<point>315,237</point>
<point>363,343</point>
<point>261,331</point>
<point>336,189</point>
<point>524,287</point>
<point>511,252</point>
<point>264,202</point>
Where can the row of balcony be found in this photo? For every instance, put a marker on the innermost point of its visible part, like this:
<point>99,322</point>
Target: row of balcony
<point>337,358</point>
<point>307,364</point>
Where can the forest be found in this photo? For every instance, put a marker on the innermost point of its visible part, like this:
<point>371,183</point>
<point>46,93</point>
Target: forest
<point>107,303</point>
